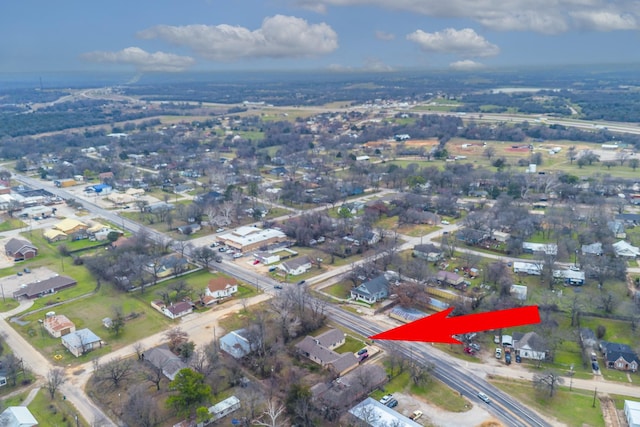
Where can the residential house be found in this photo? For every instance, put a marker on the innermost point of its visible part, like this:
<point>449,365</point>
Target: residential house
<point>81,342</point>
<point>218,288</point>
<point>569,277</point>
<point>630,219</point>
<point>320,350</point>
<point>17,416</point>
<point>224,408</point>
<point>529,346</point>
<point>537,248</point>
<point>428,252</point>
<point>374,414</point>
<point>158,207</point>
<point>624,249</point>
<point>173,310</point>
<point>449,278</point>
<point>500,236</point>
<point>527,268</point>
<point>296,266</point>
<point>592,249</point>
<point>168,265</point>
<point>519,292</point>
<point>189,229</point>
<point>162,358</point>
<point>71,226</point>
<point>236,343</point>
<point>471,236</point>
<point>343,392</point>
<point>371,291</point>
<point>617,228</point>
<point>58,325</point>
<point>54,235</point>
<point>632,413</point>
<point>619,356</point>
<point>44,287</point>
<point>20,249</point>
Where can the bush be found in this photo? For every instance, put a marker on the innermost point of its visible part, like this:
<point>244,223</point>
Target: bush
<point>601,330</point>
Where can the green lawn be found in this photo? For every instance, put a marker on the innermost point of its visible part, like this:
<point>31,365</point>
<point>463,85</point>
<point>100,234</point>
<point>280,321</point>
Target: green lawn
<point>351,345</point>
<point>11,224</point>
<point>339,290</point>
<point>8,304</point>
<point>572,408</point>
<point>54,413</point>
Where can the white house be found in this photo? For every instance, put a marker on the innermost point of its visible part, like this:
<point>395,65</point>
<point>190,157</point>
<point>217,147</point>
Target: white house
<point>625,249</point>
<point>17,416</point>
<point>529,346</point>
<point>296,266</point>
<point>546,248</point>
<point>236,344</point>
<point>224,408</point>
<point>81,342</point>
<point>220,287</point>
<point>528,268</point>
<point>632,413</point>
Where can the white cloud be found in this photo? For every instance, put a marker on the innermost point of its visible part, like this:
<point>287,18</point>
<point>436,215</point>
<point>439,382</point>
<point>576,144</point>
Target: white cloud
<point>461,42</point>
<point>604,20</point>
<point>279,37</point>
<point>373,65</point>
<point>465,65</point>
<point>142,60</point>
<point>544,16</point>
<point>382,35</point>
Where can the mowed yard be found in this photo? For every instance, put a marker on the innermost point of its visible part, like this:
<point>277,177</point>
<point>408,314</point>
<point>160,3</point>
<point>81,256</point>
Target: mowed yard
<point>90,310</point>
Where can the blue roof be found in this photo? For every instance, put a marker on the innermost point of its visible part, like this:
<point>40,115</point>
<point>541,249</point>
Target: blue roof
<point>75,339</point>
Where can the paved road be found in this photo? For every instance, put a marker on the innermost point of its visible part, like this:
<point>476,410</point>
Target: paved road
<point>447,369</point>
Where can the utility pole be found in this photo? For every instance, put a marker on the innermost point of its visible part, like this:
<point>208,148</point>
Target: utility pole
<point>593,405</point>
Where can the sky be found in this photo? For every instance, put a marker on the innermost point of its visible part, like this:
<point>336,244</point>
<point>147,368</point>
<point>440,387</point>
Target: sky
<point>145,36</point>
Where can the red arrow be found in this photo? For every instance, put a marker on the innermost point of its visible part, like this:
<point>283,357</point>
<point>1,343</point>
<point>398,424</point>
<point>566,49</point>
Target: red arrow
<point>440,328</point>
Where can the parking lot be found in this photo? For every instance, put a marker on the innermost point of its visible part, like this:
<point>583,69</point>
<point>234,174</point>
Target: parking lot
<point>10,284</point>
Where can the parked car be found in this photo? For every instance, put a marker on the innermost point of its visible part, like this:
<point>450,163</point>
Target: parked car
<point>222,249</point>
<point>444,222</point>
<point>474,346</point>
<point>498,353</point>
<point>507,358</point>
<point>386,398</point>
<point>220,230</point>
<point>256,262</point>
<point>518,358</point>
<point>238,255</point>
<point>469,350</point>
<point>416,415</point>
<point>26,270</point>
<point>363,357</point>
<point>392,403</point>
<point>594,366</point>
<point>363,351</point>
<point>484,397</point>
<point>19,273</point>
<point>218,258</point>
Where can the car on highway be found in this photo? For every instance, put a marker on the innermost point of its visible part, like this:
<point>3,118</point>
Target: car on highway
<point>498,353</point>
<point>386,398</point>
<point>277,286</point>
<point>484,397</point>
<point>301,282</point>
<point>415,415</point>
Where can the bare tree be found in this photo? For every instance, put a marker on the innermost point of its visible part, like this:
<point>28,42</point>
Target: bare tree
<point>175,336</point>
<point>154,375</point>
<point>273,415</point>
<point>547,381</point>
<point>140,409</point>
<point>138,347</point>
<point>115,371</point>
<point>55,378</point>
